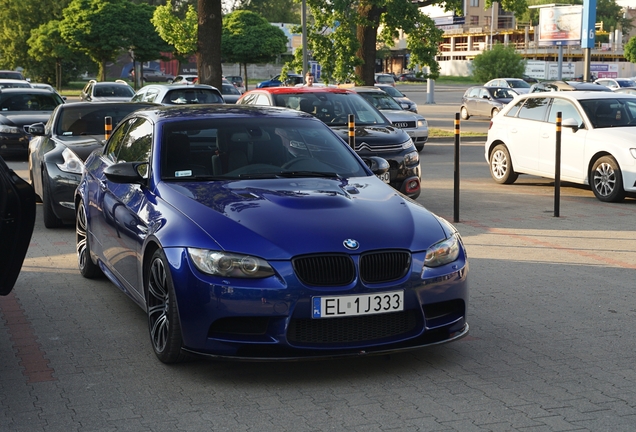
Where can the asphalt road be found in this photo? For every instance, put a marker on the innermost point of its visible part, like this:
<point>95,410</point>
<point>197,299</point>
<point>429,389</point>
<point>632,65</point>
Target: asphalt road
<point>551,346</point>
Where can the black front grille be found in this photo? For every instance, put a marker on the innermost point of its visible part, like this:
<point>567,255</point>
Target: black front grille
<point>351,329</point>
<point>377,267</point>
<point>325,270</point>
<point>406,124</point>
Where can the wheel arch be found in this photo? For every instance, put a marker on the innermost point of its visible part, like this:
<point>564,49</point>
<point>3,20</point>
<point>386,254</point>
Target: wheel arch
<point>151,247</point>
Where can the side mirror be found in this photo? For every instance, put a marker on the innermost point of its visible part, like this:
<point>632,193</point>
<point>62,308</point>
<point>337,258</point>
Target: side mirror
<point>37,129</point>
<point>127,173</point>
<point>376,164</point>
<point>570,123</point>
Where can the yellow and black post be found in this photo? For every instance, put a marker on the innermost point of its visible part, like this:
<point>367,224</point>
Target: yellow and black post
<point>352,131</point>
<point>557,167</point>
<point>456,187</point>
<point>108,127</point>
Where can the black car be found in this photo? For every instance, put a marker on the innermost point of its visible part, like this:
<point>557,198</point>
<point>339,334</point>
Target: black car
<point>411,77</point>
<point>17,213</point>
<point>19,109</point>
<point>178,94</point>
<point>58,151</point>
<point>230,93</point>
<point>374,133</point>
<point>485,101</point>
<point>549,86</point>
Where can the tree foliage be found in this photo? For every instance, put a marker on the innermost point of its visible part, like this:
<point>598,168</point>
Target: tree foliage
<point>249,38</point>
<point>283,11</point>
<point>180,32</point>
<point>630,50</point>
<point>343,36</point>
<point>501,61</point>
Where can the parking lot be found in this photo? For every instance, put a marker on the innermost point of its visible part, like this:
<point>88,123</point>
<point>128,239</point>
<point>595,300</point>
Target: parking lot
<point>551,346</point>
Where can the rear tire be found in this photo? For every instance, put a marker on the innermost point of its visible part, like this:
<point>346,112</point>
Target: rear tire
<point>606,180</point>
<point>501,166</point>
<point>464,113</point>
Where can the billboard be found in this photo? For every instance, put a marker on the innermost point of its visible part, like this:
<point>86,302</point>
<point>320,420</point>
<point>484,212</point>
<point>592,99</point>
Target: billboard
<point>560,25</point>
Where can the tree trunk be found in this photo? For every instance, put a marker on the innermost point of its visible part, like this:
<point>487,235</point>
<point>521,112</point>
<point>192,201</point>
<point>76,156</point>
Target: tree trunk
<point>102,70</point>
<point>209,43</point>
<point>368,36</point>
<point>244,75</point>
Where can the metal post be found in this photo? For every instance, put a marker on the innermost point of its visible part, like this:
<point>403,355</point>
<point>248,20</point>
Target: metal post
<point>557,167</point>
<point>304,36</point>
<point>352,131</point>
<point>430,91</point>
<point>456,188</point>
<point>560,64</point>
<point>108,127</point>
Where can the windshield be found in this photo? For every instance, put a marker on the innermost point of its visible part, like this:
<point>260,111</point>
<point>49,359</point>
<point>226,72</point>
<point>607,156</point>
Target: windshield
<point>392,91</point>
<point>626,83</point>
<point>604,113</point>
<point>333,108</point>
<point>226,149</point>
<point>113,90</point>
<point>381,101</point>
<point>518,84</point>
<point>29,101</point>
<point>192,96</point>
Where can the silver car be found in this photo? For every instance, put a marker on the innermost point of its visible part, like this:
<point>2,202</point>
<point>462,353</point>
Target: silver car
<point>414,125</point>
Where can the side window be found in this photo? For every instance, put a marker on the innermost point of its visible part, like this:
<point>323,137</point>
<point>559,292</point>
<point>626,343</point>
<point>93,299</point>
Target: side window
<point>137,143</point>
<point>514,110</point>
<point>484,94</point>
<point>534,109</point>
<point>474,92</point>
<point>138,97</point>
<point>151,95</point>
<point>248,100</point>
<point>567,111</point>
<point>262,99</point>
<point>116,141</point>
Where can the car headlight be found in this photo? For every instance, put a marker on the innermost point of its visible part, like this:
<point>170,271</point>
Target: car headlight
<point>9,129</point>
<point>422,124</point>
<point>72,163</point>
<point>225,264</point>
<point>443,252</point>
<point>405,105</point>
<point>407,144</point>
<point>412,158</point>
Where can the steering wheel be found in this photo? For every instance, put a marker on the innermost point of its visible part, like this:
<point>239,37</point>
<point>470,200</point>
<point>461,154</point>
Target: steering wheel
<point>340,117</point>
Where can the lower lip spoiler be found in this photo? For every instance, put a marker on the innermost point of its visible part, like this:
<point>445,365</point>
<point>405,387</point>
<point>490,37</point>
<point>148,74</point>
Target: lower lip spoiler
<point>458,335</point>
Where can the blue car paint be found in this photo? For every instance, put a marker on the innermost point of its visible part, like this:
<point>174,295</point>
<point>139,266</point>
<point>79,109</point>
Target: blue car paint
<point>274,219</point>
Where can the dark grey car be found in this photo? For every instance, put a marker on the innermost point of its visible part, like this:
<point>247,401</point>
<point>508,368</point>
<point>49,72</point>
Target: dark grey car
<point>485,101</point>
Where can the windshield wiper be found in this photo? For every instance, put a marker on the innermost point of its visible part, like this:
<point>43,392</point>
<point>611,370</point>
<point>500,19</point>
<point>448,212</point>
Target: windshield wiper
<point>308,174</point>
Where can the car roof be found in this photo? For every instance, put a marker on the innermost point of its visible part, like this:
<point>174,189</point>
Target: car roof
<point>580,95</point>
<point>368,89</point>
<point>29,90</point>
<point>177,86</point>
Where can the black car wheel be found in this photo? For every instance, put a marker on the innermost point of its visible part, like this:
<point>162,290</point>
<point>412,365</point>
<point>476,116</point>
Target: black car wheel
<point>50,219</point>
<point>85,263</point>
<point>501,166</point>
<point>464,113</point>
<point>163,316</point>
<point>607,180</point>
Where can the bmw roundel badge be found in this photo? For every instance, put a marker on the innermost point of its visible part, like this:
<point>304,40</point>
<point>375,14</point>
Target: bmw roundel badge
<point>351,244</point>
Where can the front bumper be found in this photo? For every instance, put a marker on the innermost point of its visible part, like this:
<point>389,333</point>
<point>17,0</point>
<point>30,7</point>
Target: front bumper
<point>62,186</point>
<point>14,144</point>
<point>271,318</point>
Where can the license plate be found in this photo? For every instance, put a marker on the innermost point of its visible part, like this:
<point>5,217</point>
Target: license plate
<point>364,304</point>
<point>385,177</point>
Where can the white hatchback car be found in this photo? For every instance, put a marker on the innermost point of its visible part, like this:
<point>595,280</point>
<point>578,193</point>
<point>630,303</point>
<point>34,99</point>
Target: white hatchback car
<point>598,145</point>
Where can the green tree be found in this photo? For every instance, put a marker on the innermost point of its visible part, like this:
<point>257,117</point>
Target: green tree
<point>209,42</point>
<point>249,38</point>
<point>17,19</point>
<point>629,50</point>
<point>180,32</point>
<point>343,35</point>
<point>104,28</point>
<point>53,61</point>
<point>501,61</point>
<point>283,11</point>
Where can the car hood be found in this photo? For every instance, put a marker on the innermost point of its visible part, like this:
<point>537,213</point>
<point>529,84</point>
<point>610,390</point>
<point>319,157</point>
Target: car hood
<point>21,118</point>
<point>82,145</point>
<point>289,217</point>
<point>373,135</point>
<point>401,116</point>
<point>111,99</point>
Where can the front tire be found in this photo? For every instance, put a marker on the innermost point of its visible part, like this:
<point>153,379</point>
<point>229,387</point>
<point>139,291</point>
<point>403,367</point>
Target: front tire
<point>606,180</point>
<point>50,219</point>
<point>501,166</point>
<point>85,263</point>
<point>163,315</point>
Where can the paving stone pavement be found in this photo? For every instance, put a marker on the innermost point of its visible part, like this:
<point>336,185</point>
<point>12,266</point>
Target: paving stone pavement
<point>551,347</point>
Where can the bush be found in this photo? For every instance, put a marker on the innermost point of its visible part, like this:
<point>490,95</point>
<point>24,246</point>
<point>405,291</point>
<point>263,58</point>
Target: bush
<point>500,61</point>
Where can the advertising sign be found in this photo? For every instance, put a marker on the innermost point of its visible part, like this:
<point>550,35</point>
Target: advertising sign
<point>560,25</point>
<point>535,69</point>
<point>604,70</point>
<point>567,71</point>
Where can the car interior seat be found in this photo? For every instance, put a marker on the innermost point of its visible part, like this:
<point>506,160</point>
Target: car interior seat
<point>270,152</point>
<point>232,152</point>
